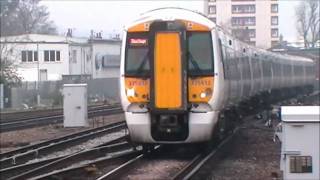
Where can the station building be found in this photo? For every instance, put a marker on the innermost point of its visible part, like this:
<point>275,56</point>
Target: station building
<point>256,21</point>
<point>51,57</point>
<point>300,142</point>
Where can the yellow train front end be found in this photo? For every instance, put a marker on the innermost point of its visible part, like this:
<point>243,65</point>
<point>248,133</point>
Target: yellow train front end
<point>167,81</point>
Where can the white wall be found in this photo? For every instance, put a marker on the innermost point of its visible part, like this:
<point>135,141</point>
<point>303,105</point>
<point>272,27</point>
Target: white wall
<point>29,70</point>
<point>83,63</point>
<point>304,139</point>
<point>85,54</point>
<point>263,24</point>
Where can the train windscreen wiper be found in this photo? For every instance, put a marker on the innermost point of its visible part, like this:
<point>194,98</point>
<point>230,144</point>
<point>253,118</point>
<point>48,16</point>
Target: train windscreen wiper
<point>194,63</point>
<point>144,61</point>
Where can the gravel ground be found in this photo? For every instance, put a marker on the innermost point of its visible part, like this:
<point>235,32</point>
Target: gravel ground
<point>156,169</point>
<point>163,165</point>
<point>254,156</point>
<point>15,139</point>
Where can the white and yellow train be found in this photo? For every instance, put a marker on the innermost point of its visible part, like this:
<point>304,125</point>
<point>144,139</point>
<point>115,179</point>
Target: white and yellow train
<point>180,72</point>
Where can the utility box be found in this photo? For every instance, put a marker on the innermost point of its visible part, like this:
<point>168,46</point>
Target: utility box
<point>75,109</point>
<point>300,141</point>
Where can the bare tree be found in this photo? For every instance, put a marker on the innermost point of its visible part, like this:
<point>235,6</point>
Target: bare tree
<point>8,68</point>
<point>240,32</point>
<point>25,16</point>
<point>308,21</point>
<point>303,26</point>
<point>314,21</point>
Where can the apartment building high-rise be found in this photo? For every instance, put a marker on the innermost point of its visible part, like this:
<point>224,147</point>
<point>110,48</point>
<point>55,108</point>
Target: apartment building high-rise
<point>254,21</point>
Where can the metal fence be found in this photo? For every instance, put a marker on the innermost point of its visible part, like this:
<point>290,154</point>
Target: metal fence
<point>25,96</point>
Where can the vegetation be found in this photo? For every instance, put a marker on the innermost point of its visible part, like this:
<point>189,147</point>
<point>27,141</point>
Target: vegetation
<point>308,22</point>
<point>20,17</point>
<point>23,17</point>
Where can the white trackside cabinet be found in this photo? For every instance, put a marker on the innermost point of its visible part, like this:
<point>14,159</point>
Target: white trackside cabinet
<point>75,110</point>
<point>300,144</point>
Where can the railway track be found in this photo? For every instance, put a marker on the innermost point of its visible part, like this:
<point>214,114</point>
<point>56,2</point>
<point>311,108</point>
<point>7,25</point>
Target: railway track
<point>193,169</point>
<point>38,151</point>
<point>115,160</point>
<point>192,163</point>
<point>51,118</point>
<point>28,114</point>
<point>46,167</point>
<point>92,169</point>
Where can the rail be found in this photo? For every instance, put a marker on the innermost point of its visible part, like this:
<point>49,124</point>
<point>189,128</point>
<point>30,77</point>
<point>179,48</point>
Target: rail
<point>12,125</point>
<point>29,153</point>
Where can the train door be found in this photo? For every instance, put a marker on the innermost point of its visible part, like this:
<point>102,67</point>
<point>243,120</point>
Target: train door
<point>169,77</point>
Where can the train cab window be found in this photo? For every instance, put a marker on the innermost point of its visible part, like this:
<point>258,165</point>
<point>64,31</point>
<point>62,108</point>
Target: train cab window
<point>200,54</point>
<point>137,59</point>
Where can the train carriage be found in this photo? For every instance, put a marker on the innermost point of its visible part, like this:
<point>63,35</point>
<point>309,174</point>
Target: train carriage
<point>180,72</point>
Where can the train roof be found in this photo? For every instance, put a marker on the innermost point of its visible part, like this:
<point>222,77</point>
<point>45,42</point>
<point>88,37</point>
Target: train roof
<point>172,13</point>
<point>175,13</point>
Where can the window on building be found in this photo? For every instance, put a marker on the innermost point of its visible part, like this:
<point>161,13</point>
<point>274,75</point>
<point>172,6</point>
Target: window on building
<point>243,21</point>
<point>274,8</point>
<point>300,164</point>
<point>252,43</point>
<point>212,10</point>
<point>29,56</point>
<point>24,56</point>
<point>51,55</point>
<point>274,32</point>
<point>252,33</point>
<point>243,9</point>
<point>74,56</point>
<point>57,55</point>
<point>212,0</point>
<point>35,56</point>
<point>274,43</point>
<point>46,55</point>
<point>274,20</point>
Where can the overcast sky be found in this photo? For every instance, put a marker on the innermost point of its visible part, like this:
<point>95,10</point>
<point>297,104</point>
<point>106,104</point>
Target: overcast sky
<point>110,16</point>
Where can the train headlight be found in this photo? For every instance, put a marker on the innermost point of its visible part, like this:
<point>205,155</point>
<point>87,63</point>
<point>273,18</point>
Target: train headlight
<point>203,95</point>
<point>137,90</point>
<point>130,92</point>
<point>200,89</point>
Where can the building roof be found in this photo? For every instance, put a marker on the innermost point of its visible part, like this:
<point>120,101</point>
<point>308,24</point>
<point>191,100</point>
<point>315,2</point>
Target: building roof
<point>52,39</point>
<point>42,38</point>
<point>300,114</point>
